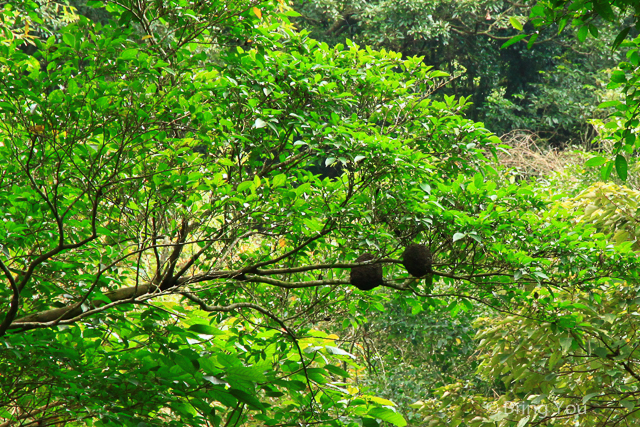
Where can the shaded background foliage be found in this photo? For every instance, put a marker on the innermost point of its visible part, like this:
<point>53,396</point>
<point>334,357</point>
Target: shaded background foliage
<point>552,89</point>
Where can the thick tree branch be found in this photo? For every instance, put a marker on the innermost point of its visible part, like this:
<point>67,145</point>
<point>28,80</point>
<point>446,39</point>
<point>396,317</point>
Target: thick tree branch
<point>72,311</point>
<point>323,267</point>
<point>15,300</point>
<point>248,274</point>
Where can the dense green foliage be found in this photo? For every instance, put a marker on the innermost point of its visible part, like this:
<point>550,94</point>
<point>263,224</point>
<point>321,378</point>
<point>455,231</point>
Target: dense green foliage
<point>185,187</point>
<point>547,84</point>
<point>165,158</point>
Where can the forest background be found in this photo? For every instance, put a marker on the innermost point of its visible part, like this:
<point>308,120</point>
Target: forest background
<point>188,191</point>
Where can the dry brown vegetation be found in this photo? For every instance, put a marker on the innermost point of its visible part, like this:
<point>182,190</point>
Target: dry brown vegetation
<point>530,158</point>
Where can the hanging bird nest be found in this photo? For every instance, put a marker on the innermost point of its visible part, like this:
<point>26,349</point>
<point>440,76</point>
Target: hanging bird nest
<point>417,260</point>
<point>366,277</point>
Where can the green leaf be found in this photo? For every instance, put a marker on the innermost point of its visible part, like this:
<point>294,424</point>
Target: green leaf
<point>475,236</point>
<point>6,107</point>
<point>72,87</point>
<point>555,356</point>
<point>515,23</point>
<point>369,422</point>
<point>291,385</point>
<point>184,362</point>
<point>620,38</point>
<point>605,172</point>
<point>380,401</point>
<point>595,161</point>
<point>228,360</point>
<point>205,329</point>
<point>458,236</point>
<point>601,352</point>
<point>628,404</point>
<point>208,366</point>
<point>532,40</point>
<point>562,24</point>
<point>630,139</point>
<point>428,283</point>
<point>129,54</point>
<point>541,275</point>
<point>388,415</point>
<point>478,180</point>
<point>279,180</point>
<point>438,73</point>
<point>608,104</point>
<point>56,96</point>
<point>589,396</point>
<point>565,343</point>
<point>617,76</point>
<point>245,185</point>
<point>513,40</point>
<point>247,398</point>
<point>317,375</point>
<point>621,167</point>
<point>245,373</point>
<point>603,8</point>
<point>537,10</point>
<point>69,39</point>
<point>582,33</point>
<point>223,397</point>
<point>337,371</point>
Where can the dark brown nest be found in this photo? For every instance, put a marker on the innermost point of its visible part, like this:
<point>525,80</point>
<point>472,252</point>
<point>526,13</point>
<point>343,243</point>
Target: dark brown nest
<point>366,277</point>
<point>417,260</point>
